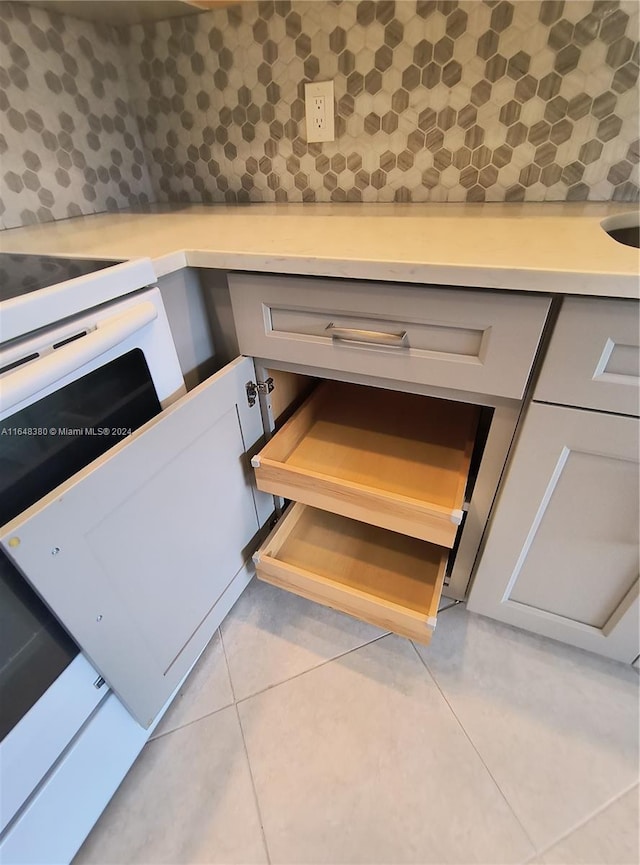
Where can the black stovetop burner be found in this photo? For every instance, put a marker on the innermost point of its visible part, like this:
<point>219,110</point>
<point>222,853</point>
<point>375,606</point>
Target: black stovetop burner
<point>21,274</point>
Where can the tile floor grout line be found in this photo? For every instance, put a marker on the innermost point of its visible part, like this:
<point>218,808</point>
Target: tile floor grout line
<point>253,786</point>
<point>207,714</point>
<point>582,823</point>
<point>262,691</point>
<point>317,667</point>
<point>188,724</point>
<point>226,661</point>
<point>472,743</point>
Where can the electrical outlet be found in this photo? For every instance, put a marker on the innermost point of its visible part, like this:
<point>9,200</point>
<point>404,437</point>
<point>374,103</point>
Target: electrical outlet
<point>318,99</point>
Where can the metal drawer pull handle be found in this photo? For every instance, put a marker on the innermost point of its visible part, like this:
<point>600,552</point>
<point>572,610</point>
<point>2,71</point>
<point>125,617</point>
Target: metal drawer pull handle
<point>374,336</point>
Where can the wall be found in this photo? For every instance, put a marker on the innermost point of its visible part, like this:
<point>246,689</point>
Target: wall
<point>441,101</point>
<point>435,101</point>
<point>69,143</point>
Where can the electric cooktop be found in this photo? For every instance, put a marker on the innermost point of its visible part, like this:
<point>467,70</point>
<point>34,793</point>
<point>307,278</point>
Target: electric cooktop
<point>21,274</point>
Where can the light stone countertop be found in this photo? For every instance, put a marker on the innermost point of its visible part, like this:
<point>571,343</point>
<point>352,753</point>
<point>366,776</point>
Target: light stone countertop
<point>549,247</point>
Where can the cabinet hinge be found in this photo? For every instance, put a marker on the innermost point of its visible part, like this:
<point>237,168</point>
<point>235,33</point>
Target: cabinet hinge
<point>254,388</point>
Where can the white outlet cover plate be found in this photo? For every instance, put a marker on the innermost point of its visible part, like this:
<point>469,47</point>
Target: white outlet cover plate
<point>323,90</point>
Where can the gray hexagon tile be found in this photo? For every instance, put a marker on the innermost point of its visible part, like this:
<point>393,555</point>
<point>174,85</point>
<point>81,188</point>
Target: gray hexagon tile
<point>477,100</point>
<point>441,101</point>
<point>69,141</point>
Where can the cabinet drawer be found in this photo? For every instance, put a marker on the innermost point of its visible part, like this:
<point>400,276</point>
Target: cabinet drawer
<point>384,578</point>
<point>479,341</point>
<point>397,460</point>
<point>594,356</point>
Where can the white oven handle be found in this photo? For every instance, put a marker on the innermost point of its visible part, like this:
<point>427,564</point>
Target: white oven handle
<point>34,377</point>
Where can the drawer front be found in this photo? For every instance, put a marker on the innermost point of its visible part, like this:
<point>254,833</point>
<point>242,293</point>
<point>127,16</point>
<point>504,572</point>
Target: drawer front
<point>479,341</point>
<point>381,577</point>
<point>594,356</point>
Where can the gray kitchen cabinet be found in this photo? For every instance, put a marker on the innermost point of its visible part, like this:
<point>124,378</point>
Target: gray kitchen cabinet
<point>404,366</point>
<point>141,554</point>
<point>561,553</point>
<point>594,357</point>
<point>561,557</point>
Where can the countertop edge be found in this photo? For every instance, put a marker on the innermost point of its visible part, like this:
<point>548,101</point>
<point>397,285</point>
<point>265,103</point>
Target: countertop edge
<point>622,286</point>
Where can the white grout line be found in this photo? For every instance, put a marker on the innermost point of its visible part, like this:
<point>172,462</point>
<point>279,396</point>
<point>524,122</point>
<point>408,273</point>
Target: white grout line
<point>253,787</point>
<point>154,737</point>
<point>236,701</point>
<point>316,667</point>
<point>188,724</point>
<point>471,742</point>
<point>583,823</point>
<point>226,661</point>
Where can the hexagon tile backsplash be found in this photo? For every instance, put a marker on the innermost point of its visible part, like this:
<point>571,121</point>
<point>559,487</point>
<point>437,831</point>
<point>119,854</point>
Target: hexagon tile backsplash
<point>442,101</point>
<point>480,100</point>
<point>69,143</point>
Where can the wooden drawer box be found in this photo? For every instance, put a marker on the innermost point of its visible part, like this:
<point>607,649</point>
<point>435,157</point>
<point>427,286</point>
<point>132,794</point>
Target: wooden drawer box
<point>474,341</point>
<point>397,460</point>
<point>594,356</point>
<point>381,577</point>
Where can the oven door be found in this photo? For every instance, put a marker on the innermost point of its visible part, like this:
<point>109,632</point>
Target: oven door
<point>135,550</point>
<point>48,360</point>
<point>41,736</point>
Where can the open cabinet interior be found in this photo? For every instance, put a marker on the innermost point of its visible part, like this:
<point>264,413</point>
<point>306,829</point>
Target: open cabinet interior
<point>380,480</point>
<point>198,308</point>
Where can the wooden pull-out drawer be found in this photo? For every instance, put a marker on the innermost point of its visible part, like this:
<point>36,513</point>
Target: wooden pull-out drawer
<point>397,460</point>
<point>474,341</point>
<point>384,578</point>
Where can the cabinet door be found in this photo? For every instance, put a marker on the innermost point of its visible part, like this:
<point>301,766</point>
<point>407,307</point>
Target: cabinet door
<point>561,558</point>
<point>134,552</point>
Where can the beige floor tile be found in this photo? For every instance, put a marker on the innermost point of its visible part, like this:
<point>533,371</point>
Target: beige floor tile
<point>272,635</point>
<point>362,761</point>
<point>207,689</point>
<point>187,799</point>
<point>557,727</point>
<point>609,838</point>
